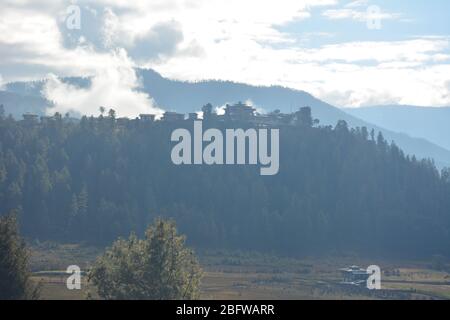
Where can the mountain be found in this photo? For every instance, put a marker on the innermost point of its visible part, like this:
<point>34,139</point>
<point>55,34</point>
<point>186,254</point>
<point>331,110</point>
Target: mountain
<point>17,104</point>
<point>336,191</point>
<point>190,96</point>
<point>186,97</point>
<point>424,122</point>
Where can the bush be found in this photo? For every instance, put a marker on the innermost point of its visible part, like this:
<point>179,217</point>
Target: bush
<point>158,267</point>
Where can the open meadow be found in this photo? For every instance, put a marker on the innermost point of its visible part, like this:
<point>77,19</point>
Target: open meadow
<point>242,276</point>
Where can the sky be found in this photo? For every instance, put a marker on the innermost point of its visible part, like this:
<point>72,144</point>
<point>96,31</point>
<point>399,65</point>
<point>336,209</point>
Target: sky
<point>350,53</point>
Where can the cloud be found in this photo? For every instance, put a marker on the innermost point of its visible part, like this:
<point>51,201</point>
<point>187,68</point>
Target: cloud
<point>347,74</point>
<point>233,40</point>
<point>93,28</point>
<point>360,15</point>
<point>161,40</point>
<point>39,36</point>
<point>357,4</point>
<point>114,87</point>
<point>419,50</point>
<point>386,84</point>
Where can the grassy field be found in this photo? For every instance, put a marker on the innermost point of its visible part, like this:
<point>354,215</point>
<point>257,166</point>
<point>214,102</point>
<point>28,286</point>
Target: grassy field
<point>235,275</point>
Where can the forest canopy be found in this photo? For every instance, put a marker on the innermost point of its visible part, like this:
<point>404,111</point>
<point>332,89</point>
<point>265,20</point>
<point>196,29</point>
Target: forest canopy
<point>338,189</point>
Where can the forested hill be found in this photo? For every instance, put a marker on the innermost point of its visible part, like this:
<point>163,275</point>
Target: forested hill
<point>425,122</point>
<point>181,96</point>
<point>338,190</point>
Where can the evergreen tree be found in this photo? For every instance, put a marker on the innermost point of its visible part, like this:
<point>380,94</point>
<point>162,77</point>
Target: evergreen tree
<point>15,282</point>
<point>159,267</point>
<point>2,111</point>
<point>337,189</point>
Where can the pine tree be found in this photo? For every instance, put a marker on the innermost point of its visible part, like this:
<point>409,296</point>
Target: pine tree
<point>2,111</point>
<point>159,267</point>
<point>15,282</point>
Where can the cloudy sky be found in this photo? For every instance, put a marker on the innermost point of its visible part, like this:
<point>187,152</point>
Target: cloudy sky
<point>348,53</point>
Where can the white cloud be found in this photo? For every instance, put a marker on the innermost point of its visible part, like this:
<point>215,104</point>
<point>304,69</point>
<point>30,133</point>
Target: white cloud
<point>347,74</point>
<point>214,39</point>
<point>357,4</point>
<point>359,15</point>
<point>360,10</point>
<point>417,50</point>
<point>112,87</point>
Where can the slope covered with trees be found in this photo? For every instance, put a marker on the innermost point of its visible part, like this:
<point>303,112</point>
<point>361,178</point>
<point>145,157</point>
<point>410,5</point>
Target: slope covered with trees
<point>191,95</point>
<point>429,123</point>
<point>338,189</point>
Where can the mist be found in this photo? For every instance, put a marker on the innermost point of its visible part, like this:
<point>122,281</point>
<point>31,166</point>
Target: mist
<point>115,86</point>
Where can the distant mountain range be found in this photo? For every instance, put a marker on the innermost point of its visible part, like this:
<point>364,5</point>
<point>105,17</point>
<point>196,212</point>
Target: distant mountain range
<point>429,123</point>
<point>180,96</point>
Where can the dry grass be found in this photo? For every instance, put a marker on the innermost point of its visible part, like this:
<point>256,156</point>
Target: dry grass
<point>243,276</point>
